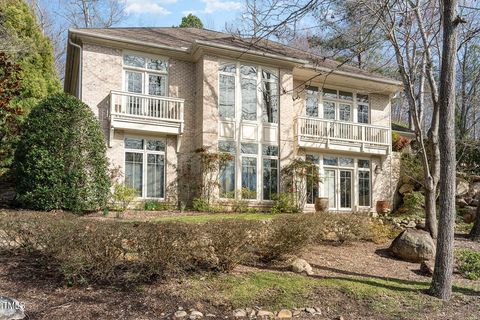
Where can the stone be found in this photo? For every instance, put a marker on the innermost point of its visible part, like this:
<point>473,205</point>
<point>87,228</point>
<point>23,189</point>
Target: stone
<point>462,187</point>
<point>11,309</point>
<point>239,313</point>
<point>180,314</point>
<point>461,202</point>
<point>319,311</point>
<point>470,215</point>
<point>210,315</point>
<point>405,188</point>
<point>426,267</point>
<point>413,245</point>
<point>196,314</point>
<point>339,318</point>
<point>297,313</point>
<point>411,224</point>
<point>310,310</point>
<point>284,314</point>
<point>474,202</point>
<point>421,226</point>
<point>251,312</point>
<point>299,266</point>
<point>475,188</point>
<point>265,314</point>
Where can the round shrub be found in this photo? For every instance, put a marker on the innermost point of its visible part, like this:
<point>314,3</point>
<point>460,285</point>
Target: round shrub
<point>60,162</point>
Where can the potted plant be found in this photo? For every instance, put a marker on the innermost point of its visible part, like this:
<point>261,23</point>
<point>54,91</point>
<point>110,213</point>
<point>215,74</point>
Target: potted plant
<point>383,207</point>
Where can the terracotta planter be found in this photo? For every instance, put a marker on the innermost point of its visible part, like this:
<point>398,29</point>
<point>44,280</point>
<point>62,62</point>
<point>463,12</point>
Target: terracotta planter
<point>321,204</point>
<point>383,207</point>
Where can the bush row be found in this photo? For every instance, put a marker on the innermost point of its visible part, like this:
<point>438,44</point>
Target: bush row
<point>86,250</point>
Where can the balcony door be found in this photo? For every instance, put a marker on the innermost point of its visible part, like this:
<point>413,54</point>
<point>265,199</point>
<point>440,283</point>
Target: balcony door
<point>338,188</point>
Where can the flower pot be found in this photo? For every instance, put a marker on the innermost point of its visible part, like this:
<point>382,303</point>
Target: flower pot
<point>383,207</point>
<point>321,204</point>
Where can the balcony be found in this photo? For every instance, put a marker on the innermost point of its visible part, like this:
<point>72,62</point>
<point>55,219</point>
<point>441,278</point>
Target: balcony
<point>140,112</point>
<point>315,133</point>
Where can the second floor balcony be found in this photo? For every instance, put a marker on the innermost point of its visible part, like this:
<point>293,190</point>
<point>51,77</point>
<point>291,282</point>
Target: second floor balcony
<point>316,133</point>
<point>140,112</point>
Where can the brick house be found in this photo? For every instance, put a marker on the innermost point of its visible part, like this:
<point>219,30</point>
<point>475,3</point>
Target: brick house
<point>162,93</point>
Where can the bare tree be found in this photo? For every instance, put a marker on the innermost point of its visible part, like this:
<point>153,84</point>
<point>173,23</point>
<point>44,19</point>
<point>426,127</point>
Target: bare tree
<point>442,275</point>
<point>94,13</point>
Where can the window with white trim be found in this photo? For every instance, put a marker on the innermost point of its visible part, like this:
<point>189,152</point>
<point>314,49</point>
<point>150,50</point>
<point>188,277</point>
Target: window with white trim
<point>248,83</point>
<point>363,108</point>
<point>145,166</point>
<point>249,153</point>
<point>337,105</point>
<point>226,99</point>
<point>312,188</point>
<point>311,101</point>
<point>227,171</point>
<point>364,183</point>
<point>145,75</point>
<point>270,171</point>
<point>270,96</point>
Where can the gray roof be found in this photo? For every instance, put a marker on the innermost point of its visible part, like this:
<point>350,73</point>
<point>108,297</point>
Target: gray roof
<point>185,38</point>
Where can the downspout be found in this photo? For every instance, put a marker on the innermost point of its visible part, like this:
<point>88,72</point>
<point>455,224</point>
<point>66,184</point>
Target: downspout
<point>80,67</point>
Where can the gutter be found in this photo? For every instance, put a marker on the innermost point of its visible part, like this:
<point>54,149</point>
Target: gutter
<point>80,67</point>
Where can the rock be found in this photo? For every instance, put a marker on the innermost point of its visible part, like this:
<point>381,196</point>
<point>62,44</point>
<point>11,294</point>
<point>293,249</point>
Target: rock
<point>426,267</point>
<point>461,203</point>
<point>319,311</point>
<point>462,187</point>
<point>210,315</point>
<point>310,310</point>
<point>239,313</point>
<point>413,245</point>
<point>474,202</point>
<point>180,314</point>
<point>284,314</point>
<point>196,314</point>
<point>470,215</point>
<point>405,188</point>
<point>411,224</point>
<point>296,313</point>
<point>11,309</point>
<point>299,266</point>
<point>339,318</point>
<point>475,188</point>
<point>421,226</point>
<point>265,314</point>
<point>251,312</point>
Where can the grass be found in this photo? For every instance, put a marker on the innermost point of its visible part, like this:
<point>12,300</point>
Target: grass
<point>216,216</point>
<point>392,298</point>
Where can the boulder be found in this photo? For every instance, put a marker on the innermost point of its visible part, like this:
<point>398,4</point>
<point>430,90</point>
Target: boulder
<point>405,188</point>
<point>470,214</point>
<point>239,313</point>
<point>462,187</point>
<point>413,245</point>
<point>265,314</point>
<point>475,188</point>
<point>299,266</point>
<point>474,203</point>
<point>284,314</point>
<point>426,267</point>
<point>180,314</point>
<point>11,309</point>
<point>421,225</point>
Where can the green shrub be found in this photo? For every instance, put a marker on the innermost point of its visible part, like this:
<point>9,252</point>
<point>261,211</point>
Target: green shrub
<point>468,262</point>
<point>122,196</point>
<point>413,202</point>
<point>202,205</point>
<point>340,227</point>
<point>154,205</point>
<point>284,203</point>
<point>60,161</point>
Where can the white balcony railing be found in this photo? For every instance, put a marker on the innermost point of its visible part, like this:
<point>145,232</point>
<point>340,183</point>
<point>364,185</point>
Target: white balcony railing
<point>327,131</point>
<point>150,113</point>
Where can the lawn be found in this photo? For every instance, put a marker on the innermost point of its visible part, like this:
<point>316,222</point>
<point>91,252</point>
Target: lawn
<point>216,216</point>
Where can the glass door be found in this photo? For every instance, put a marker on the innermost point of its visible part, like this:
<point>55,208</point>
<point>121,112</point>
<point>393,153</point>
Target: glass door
<point>345,189</point>
<point>338,188</point>
<point>330,188</point>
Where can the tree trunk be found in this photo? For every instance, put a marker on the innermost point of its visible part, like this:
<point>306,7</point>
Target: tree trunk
<point>431,223</point>
<point>475,232</point>
<point>442,276</point>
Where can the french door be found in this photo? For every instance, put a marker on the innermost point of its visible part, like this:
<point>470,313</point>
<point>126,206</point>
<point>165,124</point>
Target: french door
<point>338,188</point>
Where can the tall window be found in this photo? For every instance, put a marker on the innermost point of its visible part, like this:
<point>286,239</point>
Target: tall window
<point>226,98</point>
<point>270,171</point>
<point>270,97</point>
<point>227,171</point>
<point>362,108</point>
<point>311,101</point>
<point>249,170</point>
<point>145,166</point>
<point>337,105</point>
<point>145,75</point>
<point>364,183</point>
<point>248,82</point>
<point>312,188</point>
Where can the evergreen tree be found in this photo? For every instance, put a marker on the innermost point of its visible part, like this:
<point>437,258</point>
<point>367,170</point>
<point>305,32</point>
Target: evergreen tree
<point>191,21</point>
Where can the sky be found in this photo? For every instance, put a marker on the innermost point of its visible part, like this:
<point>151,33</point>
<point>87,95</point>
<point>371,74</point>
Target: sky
<point>166,13</point>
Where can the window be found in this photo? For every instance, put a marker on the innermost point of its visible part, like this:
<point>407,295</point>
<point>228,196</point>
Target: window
<point>248,82</point>
<point>311,101</point>
<point>340,108</point>
<point>249,177</point>
<point>227,96</point>
<point>145,166</point>
<point>329,110</point>
<point>312,188</point>
<point>345,189</point>
<point>362,108</point>
<point>270,97</point>
<point>227,171</point>
<point>270,171</point>
<point>345,112</point>
<point>145,76</point>
<point>364,183</point>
